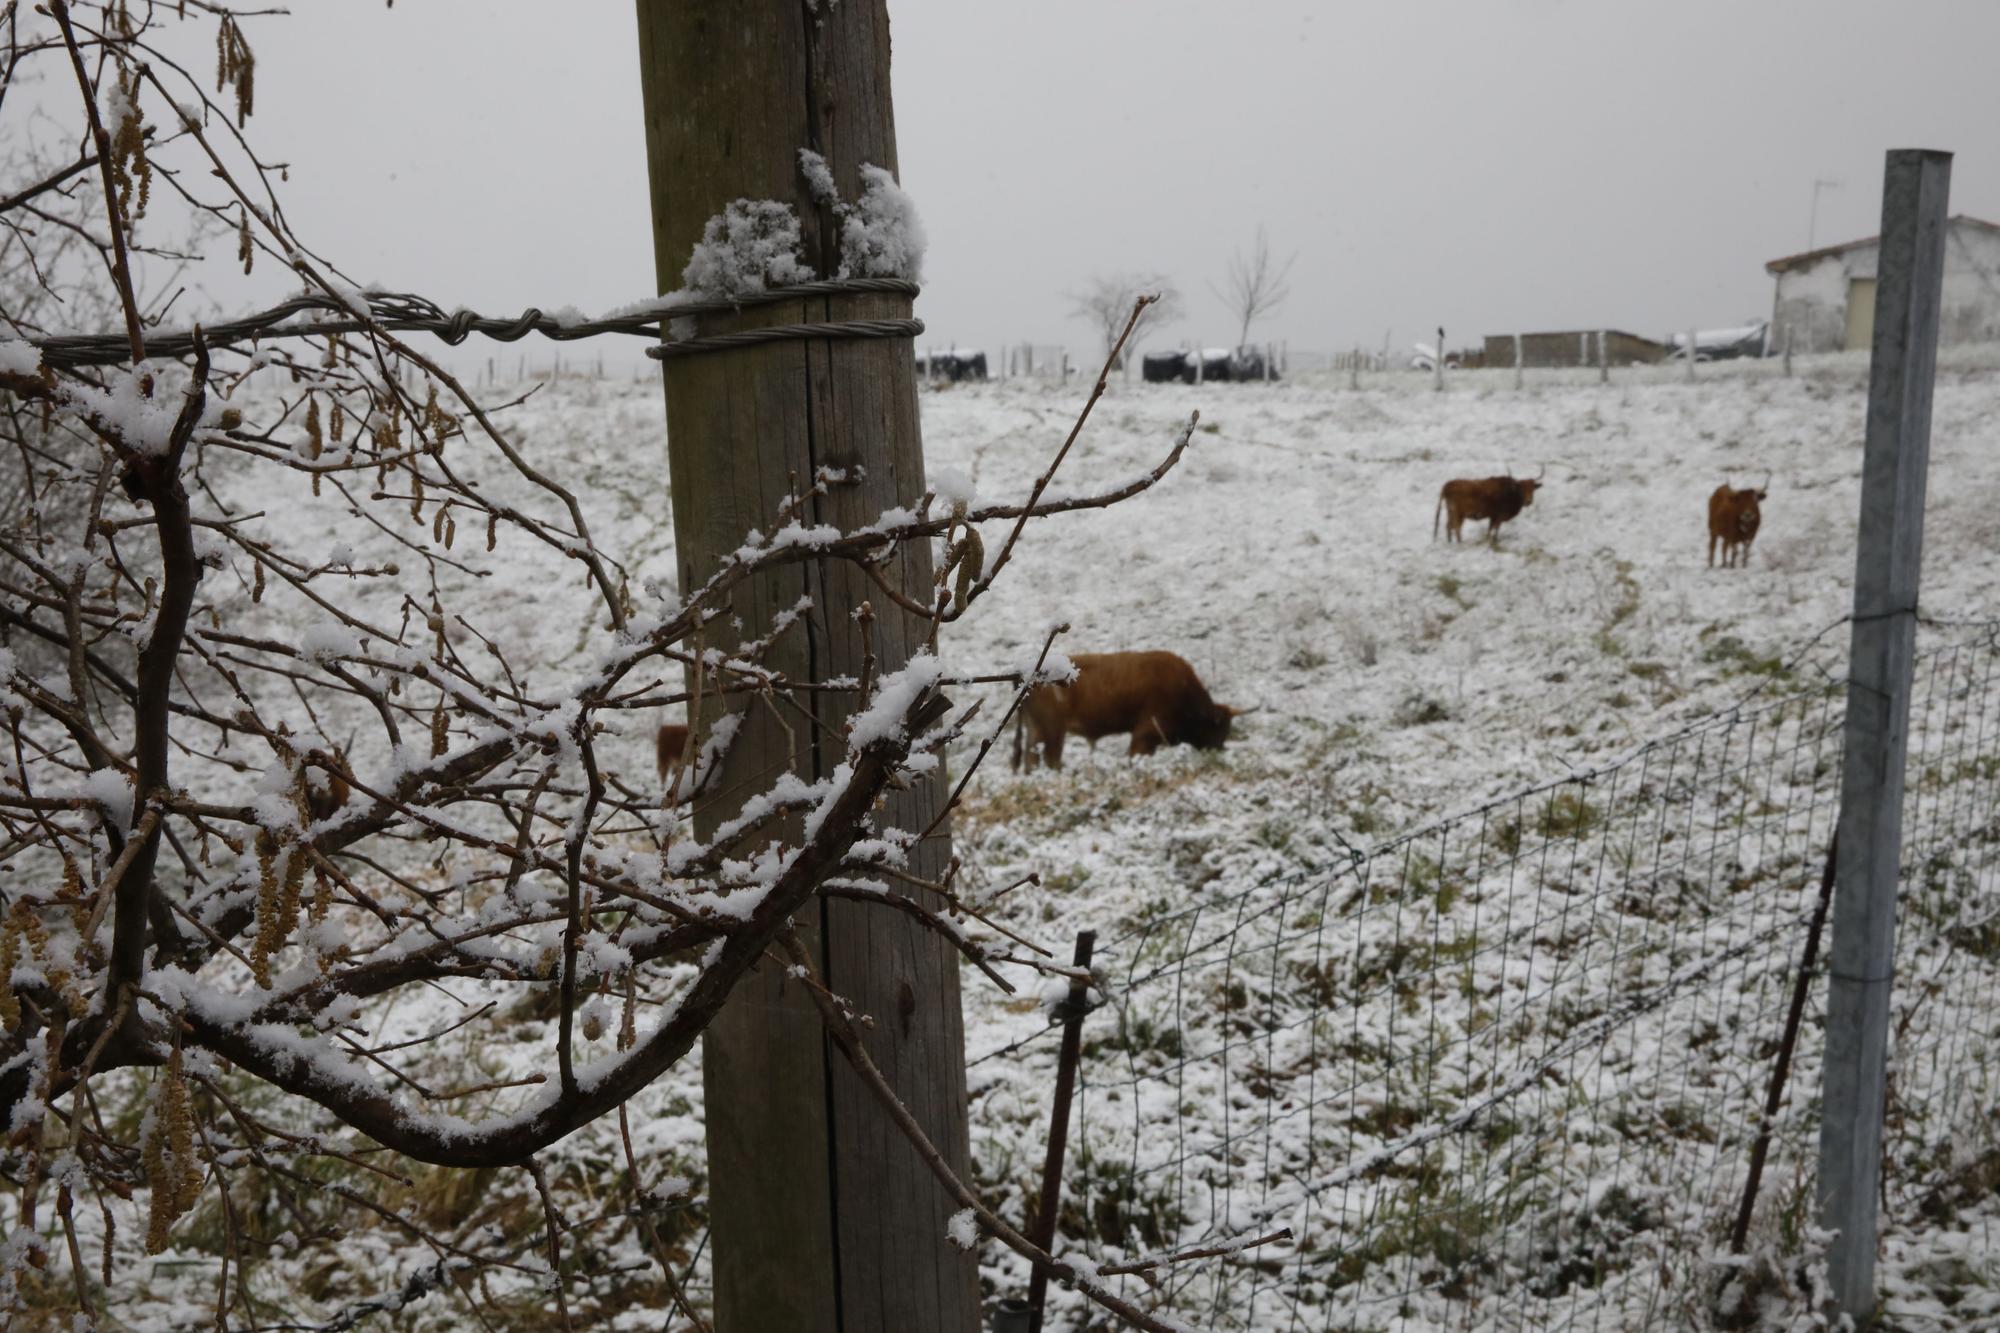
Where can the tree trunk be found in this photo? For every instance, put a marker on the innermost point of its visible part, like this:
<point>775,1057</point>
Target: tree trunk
<point>823,1217</point>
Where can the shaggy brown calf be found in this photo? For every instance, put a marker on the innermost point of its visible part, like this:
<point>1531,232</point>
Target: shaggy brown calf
<point>1733,519</point>
<point>672,746</point>
<point>1155,696</point>
<point>1494,499</point>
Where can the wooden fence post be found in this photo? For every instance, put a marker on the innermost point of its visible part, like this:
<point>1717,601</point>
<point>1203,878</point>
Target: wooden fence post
<point>1881,661</point>
<point>1517,361</point>
<point>823,1217</point>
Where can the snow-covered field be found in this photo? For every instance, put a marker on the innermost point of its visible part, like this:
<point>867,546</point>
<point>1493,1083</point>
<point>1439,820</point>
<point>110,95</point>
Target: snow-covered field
<point>1402,680</point>
<point>1397,680</point>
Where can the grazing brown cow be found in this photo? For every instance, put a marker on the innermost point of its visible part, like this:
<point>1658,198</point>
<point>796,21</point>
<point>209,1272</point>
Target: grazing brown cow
<point>1155,696</point>
<point>672,746</point>
<point>1733,519</point>
<point>1495,499</point>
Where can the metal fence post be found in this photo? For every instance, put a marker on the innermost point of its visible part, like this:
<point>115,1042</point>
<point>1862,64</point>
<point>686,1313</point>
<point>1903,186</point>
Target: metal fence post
<point>1044,1232</point>
<point>1910,277</point>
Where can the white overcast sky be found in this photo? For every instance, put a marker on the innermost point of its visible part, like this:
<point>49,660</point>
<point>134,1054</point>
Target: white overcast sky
<point>1490,165</point>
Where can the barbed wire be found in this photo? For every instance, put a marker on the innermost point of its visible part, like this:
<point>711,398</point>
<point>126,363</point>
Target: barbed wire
<point>408,312</point>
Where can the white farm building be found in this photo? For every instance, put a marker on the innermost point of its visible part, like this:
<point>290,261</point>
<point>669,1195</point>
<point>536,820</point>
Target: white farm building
<point>1826,297</point>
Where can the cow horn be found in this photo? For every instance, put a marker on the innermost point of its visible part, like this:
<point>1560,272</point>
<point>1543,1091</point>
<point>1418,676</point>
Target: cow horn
<point>1543,472</point>
<point>1244,712</point>
<point>1767,482</point>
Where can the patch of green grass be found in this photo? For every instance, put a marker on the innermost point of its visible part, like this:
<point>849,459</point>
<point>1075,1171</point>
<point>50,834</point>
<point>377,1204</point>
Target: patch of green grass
<point>1566,814</point>
<point>1737,659</point>
<point>1420,710</point>
<point>1428,879</point>
<point>1275,834</point>
<point>1137,1035</point>
<point>1626,605</point>
<point>1066,879</point>
<point>1306,657</point>
<point>1448,1235</point>
<point>1451,586</point>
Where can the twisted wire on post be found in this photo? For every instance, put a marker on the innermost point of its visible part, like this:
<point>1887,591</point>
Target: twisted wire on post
<point>850,328</point>
<point>405,312</point>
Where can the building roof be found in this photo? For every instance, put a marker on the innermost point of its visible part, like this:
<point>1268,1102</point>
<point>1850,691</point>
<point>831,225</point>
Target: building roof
<point>1578,333</point>
<point>1811,257</point>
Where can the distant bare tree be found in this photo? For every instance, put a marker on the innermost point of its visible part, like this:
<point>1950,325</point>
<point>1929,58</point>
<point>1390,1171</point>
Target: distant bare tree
<point>1108,300</point>
<point>1254,286</point>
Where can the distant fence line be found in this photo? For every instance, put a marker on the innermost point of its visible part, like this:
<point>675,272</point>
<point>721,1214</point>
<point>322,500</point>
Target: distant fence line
<point>1507,1070</point>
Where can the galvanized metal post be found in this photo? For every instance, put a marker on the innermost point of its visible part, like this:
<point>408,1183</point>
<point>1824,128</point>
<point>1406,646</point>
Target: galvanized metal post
<point>1896,457</point>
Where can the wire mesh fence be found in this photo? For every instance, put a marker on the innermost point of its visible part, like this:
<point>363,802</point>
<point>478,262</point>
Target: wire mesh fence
<point>1506,1070</point>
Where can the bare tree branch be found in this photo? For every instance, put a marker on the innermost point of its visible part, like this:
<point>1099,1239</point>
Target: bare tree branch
<point>1254,286</point>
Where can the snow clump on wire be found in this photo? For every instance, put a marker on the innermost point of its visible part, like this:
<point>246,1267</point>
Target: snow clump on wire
<point>881,236</point>
<point>753,244</point>
<point>963,1229</point>
<point>819,177</point>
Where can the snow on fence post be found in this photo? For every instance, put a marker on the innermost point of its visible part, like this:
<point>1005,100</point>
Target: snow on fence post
<point>1690,357</point>
<point>1895,459</point>
<point>822,1215</point>
<point>1517,361</point>
<point>1200,360</point>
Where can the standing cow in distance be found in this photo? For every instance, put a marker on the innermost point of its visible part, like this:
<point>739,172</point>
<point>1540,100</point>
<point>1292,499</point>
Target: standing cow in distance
<point>1155,696</point>
<point>1495,499</point>
<point>1733,519</point>
<point>670,748</point>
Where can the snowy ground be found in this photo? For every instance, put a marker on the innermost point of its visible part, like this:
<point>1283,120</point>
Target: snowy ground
<point>1291,560</point>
